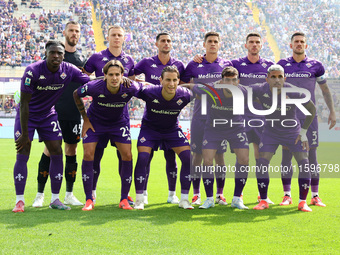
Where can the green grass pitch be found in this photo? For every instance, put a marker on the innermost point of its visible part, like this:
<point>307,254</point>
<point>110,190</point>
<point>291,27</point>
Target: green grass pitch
<point>162,228</point>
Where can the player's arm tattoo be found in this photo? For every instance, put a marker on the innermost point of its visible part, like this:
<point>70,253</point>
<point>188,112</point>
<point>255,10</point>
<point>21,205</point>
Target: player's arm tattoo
<point>24,111</point>
<point>327,96</point>
<point>80,104</point>
<point>309,118</point>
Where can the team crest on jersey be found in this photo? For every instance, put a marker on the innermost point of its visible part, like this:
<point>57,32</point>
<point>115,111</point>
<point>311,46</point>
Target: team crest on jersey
<point>63,75</point>
<point>179,101</point>
<point>124,95</point>
<point>243,64</point>
<point>105,59</point>
<point>308,65</point>
<point>154,65</point>
<point>205,142</point>
<point>221,64</point>
<point>83,89</point>
<point>264,65</point>
<point>193,146</point>
<point>27,81</point>
<point>30,73</point>
<point>125,60</point>
<point>260,145</point>
<point>17,134</point>
<point>42,77</point>
<point>142,140</point>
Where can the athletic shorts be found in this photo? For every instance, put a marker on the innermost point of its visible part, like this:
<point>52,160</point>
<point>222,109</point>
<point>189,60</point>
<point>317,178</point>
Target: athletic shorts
<point>151,138</point>
<point>48,128</point>
<point>71,131</point>
<point>217,139</point>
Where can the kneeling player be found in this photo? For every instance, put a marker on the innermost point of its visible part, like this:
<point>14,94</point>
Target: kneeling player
<point>289,134</point>
<point>160,126</point>
<point>106,117</point>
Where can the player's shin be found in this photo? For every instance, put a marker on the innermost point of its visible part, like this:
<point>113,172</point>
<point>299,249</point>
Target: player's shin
<point>87,176</point>
<point>56,174</point>
<point>185,171</point>
<point>304,178</point>
<point>315,175</point>
<point>20,174</point>
<point>96,166</point>
<point>262,176</point>
<point>70,172</point>
<point>286,171</point>
<point>43,172</point>
<point>241,175</point>
<point>140,172</point>
<point>171,169</point>
<point>126,179</point>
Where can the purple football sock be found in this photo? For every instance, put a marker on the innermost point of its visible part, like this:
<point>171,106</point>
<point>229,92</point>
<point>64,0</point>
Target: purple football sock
<point>208,180</point>
<point>185,171</point>
<point>195,172</point>
<point>147,171</point>
<point>220,179</point>
<point>315,175</point>
<point>20,173</point>
<point>56,173</point>
<point>240,178</point>
<point>96,165</point>
<point>262,176</point>
<point>87,176</point>
<point>140,171</point>
<point>126,178</point>
<point>171,169</point>
<point>304,178</point>
<point>286,170</point>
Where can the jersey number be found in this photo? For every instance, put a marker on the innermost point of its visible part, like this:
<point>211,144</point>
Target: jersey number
<point>242,136</point>
<point>76,129</point>
<point>125,131</point>
<point>56,126</point>
<point>315,137</point>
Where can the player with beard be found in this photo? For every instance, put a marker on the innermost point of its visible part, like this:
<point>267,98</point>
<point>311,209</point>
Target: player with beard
<point>305,72</point>
<point>69,121</point>
<point>152,69</point>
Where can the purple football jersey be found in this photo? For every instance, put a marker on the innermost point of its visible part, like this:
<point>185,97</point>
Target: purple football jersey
<point>98,60</point>
<point>152,68</point>
<point>304,74</point>
<point>204,73</point>
<point>290,122</point>
<point>46,87</point>
<point>162,115</point>
<point>106,108</point>
<point>251,73</point>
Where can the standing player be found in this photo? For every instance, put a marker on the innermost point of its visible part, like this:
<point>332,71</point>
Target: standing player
<point>208,70</point>
<point>253,69</point>
<point>152,69</point>
<point>285,129</point>
<point>160,126</point>
<point>41,86</point>
<point>69,120</point>
<point>304,72</point>
<point>116,38</point>
<point>217,134</point>
<point>106,117</point>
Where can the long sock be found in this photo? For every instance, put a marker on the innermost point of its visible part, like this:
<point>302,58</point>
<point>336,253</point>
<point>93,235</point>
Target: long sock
<point>56,172</point>
<point>315,175</point>
<point>196,178</point>
<point>43,172</point>
<point>119,163</point>
<point>140,171</point>
<point>70,172</point>
<point>126,178</point>
<point>147,172</point>
<point>87,175</point>
<point>240,178</point>
<point>20,174</point>
<point>220,179</point>
<point>96,165</point>
<point>171,169</point>
<point>304,178</point>
<point>185,171</point>
<point>262,176</point>
<point>286,170</point>
<point>208,180</point>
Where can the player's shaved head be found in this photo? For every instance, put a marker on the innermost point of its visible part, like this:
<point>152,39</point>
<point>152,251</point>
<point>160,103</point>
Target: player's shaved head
<point>54,43</point>
<point>170,69</point>
<point>115,63</point>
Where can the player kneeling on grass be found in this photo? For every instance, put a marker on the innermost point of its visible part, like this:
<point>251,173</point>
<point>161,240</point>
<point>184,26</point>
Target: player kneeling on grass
<point>283,130</point>
<point>107,116</point>
<point>216,137</point>
<point>160,126</point>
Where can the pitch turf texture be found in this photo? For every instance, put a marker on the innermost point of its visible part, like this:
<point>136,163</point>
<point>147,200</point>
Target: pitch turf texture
<point>163,228</point>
